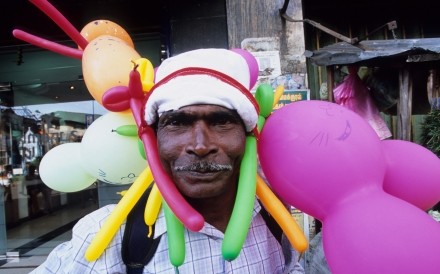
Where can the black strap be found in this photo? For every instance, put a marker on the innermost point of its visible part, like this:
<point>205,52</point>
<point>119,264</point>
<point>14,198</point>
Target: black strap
<point>273,226</point>
<point>137,248</point>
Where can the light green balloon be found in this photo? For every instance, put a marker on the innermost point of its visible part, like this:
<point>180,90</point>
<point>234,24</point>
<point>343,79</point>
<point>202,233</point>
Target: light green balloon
<point>61,169</point>
<point>108,155</point>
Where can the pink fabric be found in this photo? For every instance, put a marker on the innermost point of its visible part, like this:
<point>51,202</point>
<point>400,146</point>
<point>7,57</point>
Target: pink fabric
<point>354,95</point>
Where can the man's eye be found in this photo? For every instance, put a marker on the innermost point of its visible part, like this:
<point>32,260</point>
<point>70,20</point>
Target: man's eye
<point>177,122</point>
<point>174,122</point>
<point>222,121</point>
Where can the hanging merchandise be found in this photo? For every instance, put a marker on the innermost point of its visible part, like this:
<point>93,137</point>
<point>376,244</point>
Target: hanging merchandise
<point>354,95</point>
<point>383,85</point>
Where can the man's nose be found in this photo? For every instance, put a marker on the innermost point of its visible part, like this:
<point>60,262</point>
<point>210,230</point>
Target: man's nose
<point>203,140</point>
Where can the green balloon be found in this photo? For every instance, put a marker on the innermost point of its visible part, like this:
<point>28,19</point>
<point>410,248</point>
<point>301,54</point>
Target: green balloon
<point>238,226</point>
<point>265,96</point>
<point>142,149</point>
<point>260,123</point>
<point>132,130</point>
<point>176,237</point>
<point>127,130</point>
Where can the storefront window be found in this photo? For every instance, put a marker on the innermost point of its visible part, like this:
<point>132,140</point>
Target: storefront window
<point>44,104</point>
<point>36,217</point>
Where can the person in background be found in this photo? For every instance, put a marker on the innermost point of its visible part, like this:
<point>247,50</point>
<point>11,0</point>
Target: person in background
<point>35,187</point>
<point>201,118</point>
<point>316,262</point>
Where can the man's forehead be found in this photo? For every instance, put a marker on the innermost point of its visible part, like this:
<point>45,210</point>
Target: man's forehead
<point>201,110</point>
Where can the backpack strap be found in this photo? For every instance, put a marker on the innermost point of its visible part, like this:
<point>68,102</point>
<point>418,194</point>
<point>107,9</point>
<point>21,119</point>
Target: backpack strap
<point>137,248</point>
<point>271,223</point>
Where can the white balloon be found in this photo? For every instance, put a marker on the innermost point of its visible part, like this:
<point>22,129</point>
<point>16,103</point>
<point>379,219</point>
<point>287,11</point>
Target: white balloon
<point>61,169</point>
<point>109,156</point>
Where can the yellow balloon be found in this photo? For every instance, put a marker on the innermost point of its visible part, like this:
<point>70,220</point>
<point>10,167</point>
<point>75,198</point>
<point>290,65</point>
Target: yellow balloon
<point>146,70</point>
<point>106,63</point>
<point>282,216</point>
<point>152,208</point>
<point>277,95</point>
<point>118,215</point>
<point>105,27</point>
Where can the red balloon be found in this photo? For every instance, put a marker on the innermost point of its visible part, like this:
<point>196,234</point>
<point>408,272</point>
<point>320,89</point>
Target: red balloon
<point>190,218</point>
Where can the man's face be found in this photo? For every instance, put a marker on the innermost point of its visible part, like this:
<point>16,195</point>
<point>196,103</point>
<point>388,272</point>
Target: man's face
<point>201,147</point>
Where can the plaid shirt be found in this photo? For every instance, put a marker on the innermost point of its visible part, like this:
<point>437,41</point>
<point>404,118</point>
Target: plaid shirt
<point>261,252</point>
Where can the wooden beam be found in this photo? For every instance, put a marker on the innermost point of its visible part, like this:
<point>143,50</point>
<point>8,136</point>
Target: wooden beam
<point>330,82</point>
<point>404,105</point>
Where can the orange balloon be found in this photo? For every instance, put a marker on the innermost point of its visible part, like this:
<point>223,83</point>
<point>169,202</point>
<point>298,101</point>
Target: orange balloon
<point>106,63</point>
<point>97,28</point>
<point>282,216</point>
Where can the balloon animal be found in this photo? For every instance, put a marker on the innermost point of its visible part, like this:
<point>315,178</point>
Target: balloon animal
<point>94,158</point>
<point>107,63</point>
<point>328,162</point>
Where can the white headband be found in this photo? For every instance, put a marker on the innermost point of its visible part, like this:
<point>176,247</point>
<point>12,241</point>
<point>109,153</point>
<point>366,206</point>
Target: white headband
<point>205,76</point>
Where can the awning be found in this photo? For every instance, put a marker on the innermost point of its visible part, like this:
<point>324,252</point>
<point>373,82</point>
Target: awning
<point>377,52</point>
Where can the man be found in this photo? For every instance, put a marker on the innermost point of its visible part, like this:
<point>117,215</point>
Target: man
<point>201,117</point>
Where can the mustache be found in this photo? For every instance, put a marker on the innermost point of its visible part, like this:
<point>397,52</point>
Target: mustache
<point>204,167</point>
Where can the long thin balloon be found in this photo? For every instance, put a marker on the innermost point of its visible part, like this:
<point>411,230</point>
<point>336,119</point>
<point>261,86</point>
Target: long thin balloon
<point>152,208</point>
<point>61,21</point>
<point>176,237</point>
<point>277,95</point>
<point>118,215</point>
<point>46,44</point>
<point>282,216</point>
<point>192,219</point>
<point>238,226</point>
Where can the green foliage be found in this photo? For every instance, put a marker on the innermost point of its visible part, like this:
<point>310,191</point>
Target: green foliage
<point>430,136</point>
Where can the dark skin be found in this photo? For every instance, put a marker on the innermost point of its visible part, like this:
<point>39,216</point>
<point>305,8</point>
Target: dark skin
<point>201,147</point>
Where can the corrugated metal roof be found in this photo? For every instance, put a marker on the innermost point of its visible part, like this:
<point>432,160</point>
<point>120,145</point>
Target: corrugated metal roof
<point>377,52</point>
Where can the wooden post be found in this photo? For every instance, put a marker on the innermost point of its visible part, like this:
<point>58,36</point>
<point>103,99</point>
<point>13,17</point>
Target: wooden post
<point>404,105</point>
<point>330,82</point>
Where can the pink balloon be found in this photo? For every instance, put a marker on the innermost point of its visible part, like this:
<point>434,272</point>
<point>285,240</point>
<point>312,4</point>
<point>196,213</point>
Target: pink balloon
<point>190,218</point>
<point>116,99</point>
<point>46,44</point>
<point>326,160</point>
<point>412,174</point>
<point>61,21</point>
<point>379,233</point>
<point>252,64</point>
<point>323,143</point>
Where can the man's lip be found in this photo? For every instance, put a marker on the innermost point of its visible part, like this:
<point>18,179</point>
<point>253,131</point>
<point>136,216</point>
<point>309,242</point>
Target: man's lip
<point>198,174</point>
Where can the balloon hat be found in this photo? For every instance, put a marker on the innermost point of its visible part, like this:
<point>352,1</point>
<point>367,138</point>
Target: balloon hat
<point>205,76</point>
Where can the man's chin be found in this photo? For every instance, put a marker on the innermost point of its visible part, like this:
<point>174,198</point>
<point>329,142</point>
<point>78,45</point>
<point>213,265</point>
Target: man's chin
<point>201,191</point>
